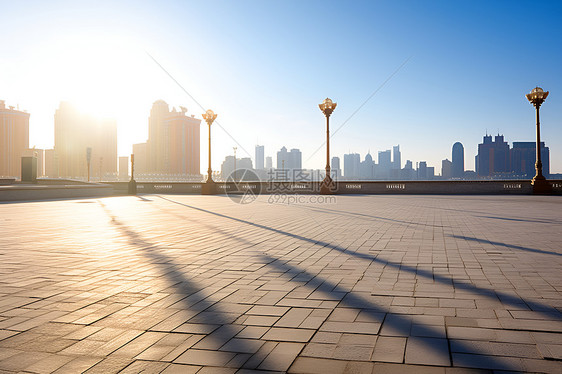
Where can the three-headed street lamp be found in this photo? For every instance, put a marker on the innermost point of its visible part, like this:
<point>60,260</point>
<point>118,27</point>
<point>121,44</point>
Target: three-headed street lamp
<point>536,97</point>
<point>327,107</point>
<point>209,187</point>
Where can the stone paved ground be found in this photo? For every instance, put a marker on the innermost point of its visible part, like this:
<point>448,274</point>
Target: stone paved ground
<point>195,284</point>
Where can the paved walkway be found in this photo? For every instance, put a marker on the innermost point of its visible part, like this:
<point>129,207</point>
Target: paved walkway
<point>200,284</point>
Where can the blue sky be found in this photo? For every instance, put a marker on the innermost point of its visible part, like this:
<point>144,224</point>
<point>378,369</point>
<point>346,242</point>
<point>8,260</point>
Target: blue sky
<point>263,66</point>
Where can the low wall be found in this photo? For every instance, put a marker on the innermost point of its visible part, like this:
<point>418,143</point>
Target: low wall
<point>482,187</point>
<point>22,192</point>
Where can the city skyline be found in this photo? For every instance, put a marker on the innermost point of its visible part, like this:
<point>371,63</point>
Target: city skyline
<point>109,73</point>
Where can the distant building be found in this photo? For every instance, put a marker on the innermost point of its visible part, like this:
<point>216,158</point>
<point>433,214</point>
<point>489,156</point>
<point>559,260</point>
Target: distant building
<point>123,168</point>
<point>228,165</point>
<point>335,167</point>
<point>351,164</point>
<point>295,157</point>
<point>447,168</point>
<point>396,157</point>
<point>367,168</point>
<point>75,132</point>
<point>493,157</point>
<point>524,157</point>
<point>422,171</point>
<point>384,165</point>
<point>51,164</point>
<point>259,157</point>
<point>457,161</point>
<point>173,146</point>
<point>430,172</point>
<point>268,162</point>
<point>283,159</point>
<point>289,160</point>
<point>14,139</point>
<point>140,151</point>
<point>408,172</point>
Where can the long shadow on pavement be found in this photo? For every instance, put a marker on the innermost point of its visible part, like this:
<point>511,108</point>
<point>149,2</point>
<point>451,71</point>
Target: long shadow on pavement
<point>505,298</point>
<point>216,338</point>
<point>431,338</point>
<point>518,247</point>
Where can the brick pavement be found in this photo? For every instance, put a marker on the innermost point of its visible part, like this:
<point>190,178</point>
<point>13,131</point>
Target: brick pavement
<point>200,284</point>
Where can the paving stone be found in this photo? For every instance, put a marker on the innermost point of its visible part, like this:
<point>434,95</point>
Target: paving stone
<point>389,349</point>
<point>427,351</point>
<point>185,283</point>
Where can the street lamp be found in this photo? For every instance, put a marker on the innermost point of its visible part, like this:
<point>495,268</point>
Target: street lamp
<point>536,97</point>
<point>209,188</point>
<point>235,148</point>
<point>327,107</point>
<point>132,186</point>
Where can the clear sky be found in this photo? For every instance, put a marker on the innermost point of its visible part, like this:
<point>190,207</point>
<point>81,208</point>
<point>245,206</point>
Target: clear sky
<point>263,66</point>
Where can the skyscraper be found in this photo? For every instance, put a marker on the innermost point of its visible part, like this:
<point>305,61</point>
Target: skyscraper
<point>173,145</point>
<point>335,167</point>
<point>524,156</point>
<point>493,156</point>
<point>396,157</point>
<point>447,168</point>
<point>14,139</point>
<point>384,165</point>
<point>351,165</point>
<point>123,168</point>
<point>367,168</point>
<point>422,170</point>
<point>283,159</point>
<point>75,132</point>
<point>268,162</point>
<point>457,170</point>
<point>259,157</point>
<point>295,157</point>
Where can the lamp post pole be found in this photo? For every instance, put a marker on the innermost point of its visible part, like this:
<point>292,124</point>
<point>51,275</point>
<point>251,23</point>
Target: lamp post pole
<point>132,187</point>
<point>209,187</point>
<point>235,148</point>
<point>540,186</point>
<point>327,107</point>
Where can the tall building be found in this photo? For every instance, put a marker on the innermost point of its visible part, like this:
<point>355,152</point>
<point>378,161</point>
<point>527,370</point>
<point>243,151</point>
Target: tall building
<point>14,139</point>
<point>283,159</point>
<point>259,157</point>
<point>351,165</point>
<point>268,162</point>
<point>75,132</point>
<point>396,157</point>
<point>367,168</point>
<point>458,161</point>
<point>123,168</point>
<point>140,151</point>
<point>51,164</point>
<point>173,145</point>
<point>493,157</point>
<point>228,165</point>
<point>295,157</point>
<point>422,170</point>
<point>524,156</point>
<point>335,167</point>
<point>447,168</point>
<point>384,165</point>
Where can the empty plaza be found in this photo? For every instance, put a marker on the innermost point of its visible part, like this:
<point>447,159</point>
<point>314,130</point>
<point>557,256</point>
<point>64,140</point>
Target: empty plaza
<point>343,284</point>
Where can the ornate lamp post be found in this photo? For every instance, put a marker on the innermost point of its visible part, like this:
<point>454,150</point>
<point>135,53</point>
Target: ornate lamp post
<point>235,148</point>
<point>132,187</point>
<point>327,107</point>
<point>209,187</point>
<point>536,97</point>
